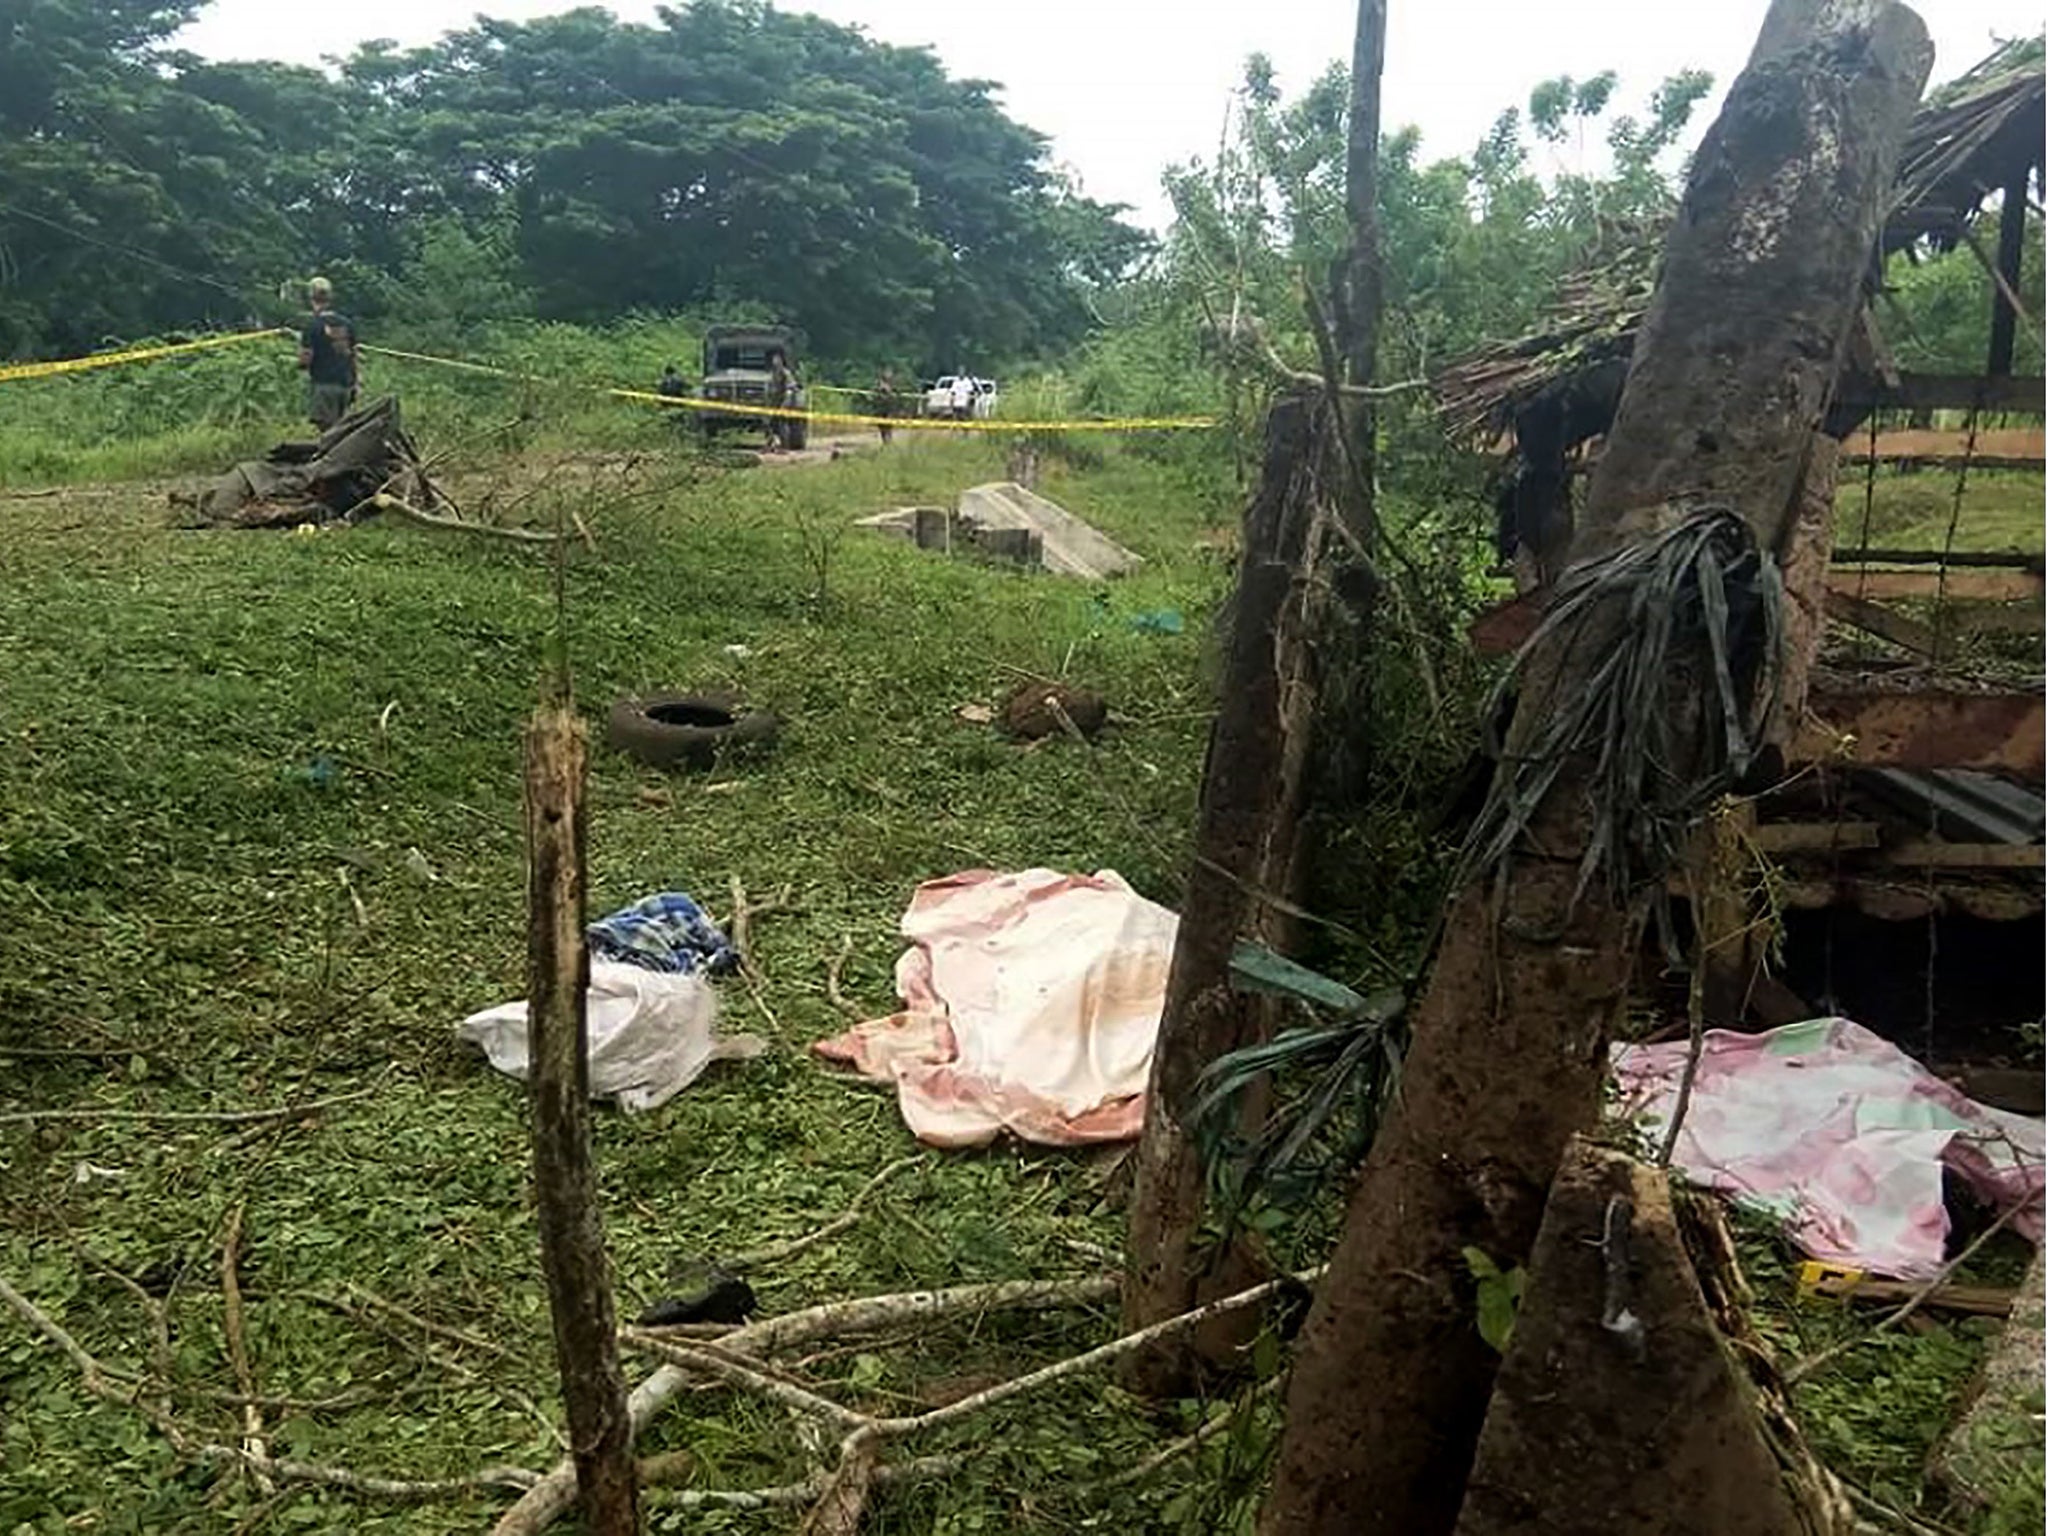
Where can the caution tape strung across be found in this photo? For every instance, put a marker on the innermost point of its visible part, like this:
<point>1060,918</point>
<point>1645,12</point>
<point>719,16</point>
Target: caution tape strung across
<point>15,371</point>
<point>12,371</point>
<point>840,418</point>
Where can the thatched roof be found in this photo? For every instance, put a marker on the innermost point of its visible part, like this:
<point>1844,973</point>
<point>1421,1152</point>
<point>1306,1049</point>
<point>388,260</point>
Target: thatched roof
<point>1975,136</point>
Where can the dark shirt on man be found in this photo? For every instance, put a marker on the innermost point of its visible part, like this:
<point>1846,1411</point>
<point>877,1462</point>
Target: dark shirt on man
<point>331,339</point>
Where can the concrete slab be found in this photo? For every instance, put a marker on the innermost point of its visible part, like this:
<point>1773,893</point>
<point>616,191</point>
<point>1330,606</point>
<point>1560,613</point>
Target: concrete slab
<point>1003,520</point>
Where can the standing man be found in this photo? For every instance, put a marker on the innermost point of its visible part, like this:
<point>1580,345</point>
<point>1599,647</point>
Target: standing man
<point>884,395</point>
<point>673,386</point>
<point>327,354</point>
<point>963,397</point>
<point>780,380</point>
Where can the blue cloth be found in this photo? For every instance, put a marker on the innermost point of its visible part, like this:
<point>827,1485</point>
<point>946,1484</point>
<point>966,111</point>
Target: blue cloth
<point>669,932</point>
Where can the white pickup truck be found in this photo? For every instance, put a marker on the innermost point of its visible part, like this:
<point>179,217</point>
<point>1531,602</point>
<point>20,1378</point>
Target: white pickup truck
<point>938,400</point>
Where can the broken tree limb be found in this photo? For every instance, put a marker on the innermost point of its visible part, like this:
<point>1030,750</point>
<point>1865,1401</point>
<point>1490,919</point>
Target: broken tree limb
<point>835,969</point>
<point>555,1494</point>
<point>236,1328</point>
<point>1760,286</point>
<point>187,1117</point>
<point>845,1497</point>
<point>565,1182</point>
<point>118,1388</point>
<point>723,1364</point>
<point>393,507</point>
<point>703,1360</point>
<point>923,1469</point>
<point>777,1253</point>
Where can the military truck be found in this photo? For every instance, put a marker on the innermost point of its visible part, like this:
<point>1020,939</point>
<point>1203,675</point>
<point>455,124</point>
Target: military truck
<point>739,365</point>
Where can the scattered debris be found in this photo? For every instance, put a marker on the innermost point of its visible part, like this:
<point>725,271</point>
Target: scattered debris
<point>335,477</point>
<point>1841,1135</point>
<point>1158,621</point>
<point>1841,1283</point>
<point>1998,1439</point>
<point>669,932</point>
<point>1036,709</point>
<point>975,714</point>
<point>670,730</point>
<point>1005,521</point>
<point>716,1295</point>
<point>652,1034</point>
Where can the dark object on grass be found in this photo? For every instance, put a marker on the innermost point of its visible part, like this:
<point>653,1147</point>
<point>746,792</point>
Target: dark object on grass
<point>723,1297</point>
<point>685,730</point>
<point>330,479</point>
<point>1033,711</point>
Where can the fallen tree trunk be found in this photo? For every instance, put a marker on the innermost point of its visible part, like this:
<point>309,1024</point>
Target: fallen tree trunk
<point>1761,283</point>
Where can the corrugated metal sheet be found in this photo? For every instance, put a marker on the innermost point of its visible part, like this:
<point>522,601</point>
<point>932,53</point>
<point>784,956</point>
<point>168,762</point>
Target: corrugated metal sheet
<point>1961,804</point>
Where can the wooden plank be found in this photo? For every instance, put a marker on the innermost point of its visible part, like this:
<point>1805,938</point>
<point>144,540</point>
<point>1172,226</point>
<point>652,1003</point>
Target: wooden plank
<point>1998,559</point>
<point>2009,396</point>
<point>1876,619</point>
<point>1924,729</point>
<point>1995,447</point>
<point>1993,619</point>
<point>1963,585</point>
<point>1936,853</point>
<point>1908,898</point>
<point>1814,836</point>
<point>1974,1300</point>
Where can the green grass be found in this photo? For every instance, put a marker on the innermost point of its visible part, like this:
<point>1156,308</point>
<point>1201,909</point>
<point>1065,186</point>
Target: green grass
<point>175,888</point>
<point>1877,1414</point>
<point>178,891</point>
<point>1913,509</point>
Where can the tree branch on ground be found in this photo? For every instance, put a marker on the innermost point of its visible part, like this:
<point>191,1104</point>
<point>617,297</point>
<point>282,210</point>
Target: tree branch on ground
<point>186,1116</point>
<point>104,1382</point>
<point>555,1495</point>
<point>776,1253</point>
<point>235,1325</point>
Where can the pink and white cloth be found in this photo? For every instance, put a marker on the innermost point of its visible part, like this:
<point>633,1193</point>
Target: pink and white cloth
<point>1840,1134</point>
<point>1030,1005</point>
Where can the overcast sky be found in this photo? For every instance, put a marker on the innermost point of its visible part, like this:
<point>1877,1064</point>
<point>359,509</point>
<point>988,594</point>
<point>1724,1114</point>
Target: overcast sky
<point>1128,87</point>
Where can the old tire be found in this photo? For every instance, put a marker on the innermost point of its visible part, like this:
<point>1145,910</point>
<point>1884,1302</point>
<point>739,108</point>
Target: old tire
<point>684,730</point>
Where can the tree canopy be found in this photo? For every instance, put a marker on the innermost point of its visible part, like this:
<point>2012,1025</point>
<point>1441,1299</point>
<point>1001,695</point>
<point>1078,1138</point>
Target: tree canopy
<point>728,155</point>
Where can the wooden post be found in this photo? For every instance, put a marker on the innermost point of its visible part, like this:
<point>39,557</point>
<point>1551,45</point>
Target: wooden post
<point>1726,944</point>
<point>1760,285</point>
<point>1244,847</point>
<point>565,1182</point>
<point>2012,244</point>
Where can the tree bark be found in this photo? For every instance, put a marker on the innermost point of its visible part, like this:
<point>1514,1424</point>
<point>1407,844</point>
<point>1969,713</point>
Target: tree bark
<point>1761,281</point>
<point>1244,851</point>
<point>1360,342</point>
<point>565,1181</point>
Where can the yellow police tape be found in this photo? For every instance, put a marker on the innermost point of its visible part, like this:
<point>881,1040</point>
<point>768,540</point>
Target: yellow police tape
<point>14,371</point>
<point>842,418</point>
<point>686,402</point>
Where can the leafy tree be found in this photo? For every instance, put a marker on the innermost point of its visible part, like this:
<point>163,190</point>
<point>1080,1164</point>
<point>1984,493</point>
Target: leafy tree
<point>729,155</point>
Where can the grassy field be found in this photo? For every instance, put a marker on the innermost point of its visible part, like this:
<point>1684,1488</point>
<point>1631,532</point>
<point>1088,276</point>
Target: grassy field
<point>260,843</point>
<point>1999,509</point>
<point>217,744</point>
